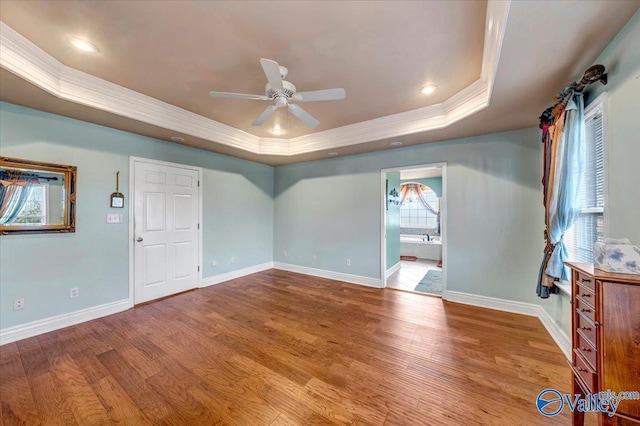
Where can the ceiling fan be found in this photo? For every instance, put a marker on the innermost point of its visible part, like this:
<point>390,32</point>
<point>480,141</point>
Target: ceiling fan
<point>283,93</point>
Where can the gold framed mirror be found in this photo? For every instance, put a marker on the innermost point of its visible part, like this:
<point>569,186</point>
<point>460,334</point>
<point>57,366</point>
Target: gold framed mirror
<point>36,197</point>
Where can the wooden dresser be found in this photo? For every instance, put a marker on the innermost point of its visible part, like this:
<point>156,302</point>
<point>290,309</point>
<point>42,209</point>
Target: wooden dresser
<point>606,339</point>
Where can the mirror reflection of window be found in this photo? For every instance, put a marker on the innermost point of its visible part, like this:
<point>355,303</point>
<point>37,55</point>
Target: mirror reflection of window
<point>39,201</point>
<point>34,210</point>
<point>36,197</point>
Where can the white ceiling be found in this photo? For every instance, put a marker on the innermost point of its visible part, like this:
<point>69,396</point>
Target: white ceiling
<point>497,65</point>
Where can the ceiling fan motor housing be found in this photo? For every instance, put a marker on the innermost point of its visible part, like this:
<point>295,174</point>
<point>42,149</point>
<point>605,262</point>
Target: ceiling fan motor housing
<point>288,90</point>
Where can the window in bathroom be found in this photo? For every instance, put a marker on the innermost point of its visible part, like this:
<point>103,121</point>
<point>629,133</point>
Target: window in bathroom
<point>414,214</point>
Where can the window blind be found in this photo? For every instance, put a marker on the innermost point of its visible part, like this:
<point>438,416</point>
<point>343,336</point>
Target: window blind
<point>589,227</point>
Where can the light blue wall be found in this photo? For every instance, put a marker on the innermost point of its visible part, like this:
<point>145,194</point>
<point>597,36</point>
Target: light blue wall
<point>393,223</point>
<point>237,209</point>
<point>622,61</point>
<point>434,183</point>
<point>495,215</point>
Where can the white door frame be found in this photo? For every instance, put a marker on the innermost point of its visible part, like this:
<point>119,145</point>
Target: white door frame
<point>132,161</point>
<point>443,221</point>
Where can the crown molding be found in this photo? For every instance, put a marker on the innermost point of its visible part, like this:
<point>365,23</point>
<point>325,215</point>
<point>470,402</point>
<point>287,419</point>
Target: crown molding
<point>23,58</point>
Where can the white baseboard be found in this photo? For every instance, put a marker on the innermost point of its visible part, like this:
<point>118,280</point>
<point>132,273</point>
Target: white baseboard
<point>530,309</point>
<point>493,303</point>
<point>559,336</point>
<point>322,273</point>
<point>217,279</point>
<point>34,328</point>
<point>392,270</point>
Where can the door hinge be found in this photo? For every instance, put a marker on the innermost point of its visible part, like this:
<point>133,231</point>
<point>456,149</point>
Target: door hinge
<point>198,226</point>
<point>198,268</point>
<point>198,184</point>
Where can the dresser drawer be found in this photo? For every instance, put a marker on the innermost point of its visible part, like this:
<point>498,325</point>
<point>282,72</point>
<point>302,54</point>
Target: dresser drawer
<point>587,329</point>
<point>586,294</point>
<point>584,308</point>
<point>588,351</point>
<point>586,281</point>
<point>584,371</point>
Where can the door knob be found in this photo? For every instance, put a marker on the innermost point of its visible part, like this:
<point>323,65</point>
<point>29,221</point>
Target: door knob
<point>139,239</point>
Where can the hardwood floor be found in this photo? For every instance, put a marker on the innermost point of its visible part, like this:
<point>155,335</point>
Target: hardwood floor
<point>278,348</point>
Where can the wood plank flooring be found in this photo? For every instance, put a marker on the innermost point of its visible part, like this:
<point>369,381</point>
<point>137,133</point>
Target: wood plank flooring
<point>278,348</point>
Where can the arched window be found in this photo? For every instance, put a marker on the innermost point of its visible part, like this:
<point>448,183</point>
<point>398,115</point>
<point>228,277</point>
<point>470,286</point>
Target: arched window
<point>419,207</point>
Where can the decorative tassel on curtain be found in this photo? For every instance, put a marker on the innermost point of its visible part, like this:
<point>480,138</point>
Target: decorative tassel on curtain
<point>563,136</point>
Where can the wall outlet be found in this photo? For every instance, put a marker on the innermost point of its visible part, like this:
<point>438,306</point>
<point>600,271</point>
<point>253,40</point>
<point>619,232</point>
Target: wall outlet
<point>233,260</point>
<point>315,257</point>
<point>348,262</point>
<point>214,263</point>
<point>74,292</point>
<point>285,253</point>
<point>18,303</point>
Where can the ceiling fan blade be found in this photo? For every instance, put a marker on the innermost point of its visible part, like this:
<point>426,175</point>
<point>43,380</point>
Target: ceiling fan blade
<point>266,114</point>
<point>303,115</point>
<point>238,96</point>
<point>272,71</point>
<point>320,95</point>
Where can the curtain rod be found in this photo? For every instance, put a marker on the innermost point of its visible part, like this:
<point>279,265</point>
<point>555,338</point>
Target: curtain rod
<point>5,174</point>
<point>591,75</point>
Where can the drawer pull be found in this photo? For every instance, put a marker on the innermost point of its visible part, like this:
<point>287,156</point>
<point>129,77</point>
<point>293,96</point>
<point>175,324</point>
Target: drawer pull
<point>585,310</point>
<point>586,280</point>
<point>581,369</point>
<point>585,349</point>
<point>584,327</point>
<point>597,324</point>
<point>585,295</point>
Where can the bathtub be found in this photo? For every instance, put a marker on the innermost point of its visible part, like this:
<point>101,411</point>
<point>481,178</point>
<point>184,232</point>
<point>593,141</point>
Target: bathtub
<point>418,246</point>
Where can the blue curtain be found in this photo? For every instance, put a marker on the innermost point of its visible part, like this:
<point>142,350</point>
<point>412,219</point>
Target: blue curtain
<point>564,205</point>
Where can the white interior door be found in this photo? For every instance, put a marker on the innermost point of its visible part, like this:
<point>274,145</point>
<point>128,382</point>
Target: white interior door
<point>166,229</point>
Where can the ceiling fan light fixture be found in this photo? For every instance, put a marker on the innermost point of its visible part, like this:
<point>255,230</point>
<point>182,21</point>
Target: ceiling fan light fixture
<point>84,45</point>
<point>428,89</point>
<point>277,131</point>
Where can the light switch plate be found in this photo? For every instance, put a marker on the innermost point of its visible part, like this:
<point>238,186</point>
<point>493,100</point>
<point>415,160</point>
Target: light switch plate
<point>115,218</point>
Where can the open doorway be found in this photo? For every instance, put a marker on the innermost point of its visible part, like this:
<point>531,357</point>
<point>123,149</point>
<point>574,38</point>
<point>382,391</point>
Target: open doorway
<point>414,236</point>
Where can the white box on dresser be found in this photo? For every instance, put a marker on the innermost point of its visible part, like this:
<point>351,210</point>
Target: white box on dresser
<point>618,258</point>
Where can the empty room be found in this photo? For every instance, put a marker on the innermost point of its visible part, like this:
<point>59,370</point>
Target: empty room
<point>320,212</point>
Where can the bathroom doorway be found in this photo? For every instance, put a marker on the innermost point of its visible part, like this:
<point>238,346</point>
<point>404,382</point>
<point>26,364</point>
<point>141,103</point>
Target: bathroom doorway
<point>413,245</point>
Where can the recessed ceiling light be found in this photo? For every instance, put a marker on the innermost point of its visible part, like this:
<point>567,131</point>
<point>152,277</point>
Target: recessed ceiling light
<point>333,154</point>
<point>427,90</point>
<point>177,139</point>
<point>277,131</point>
<point>84,45</point>
<point>396,143</point>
